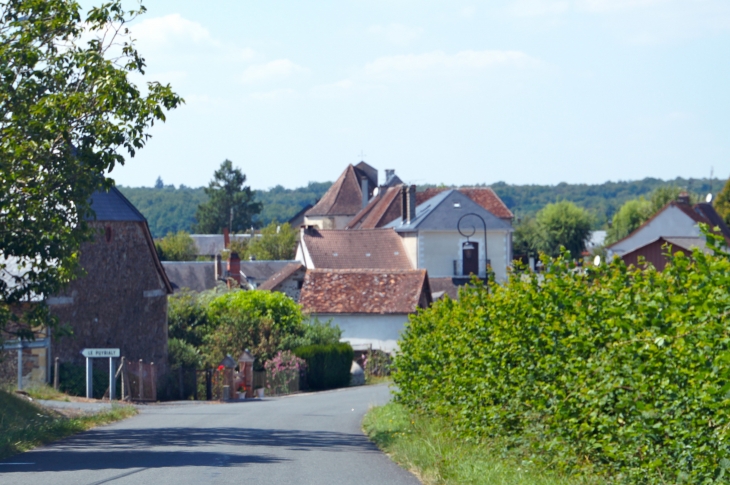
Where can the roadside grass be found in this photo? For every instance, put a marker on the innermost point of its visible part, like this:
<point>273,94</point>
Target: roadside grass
<point>46,393</point>
<point>25,425</point>
<point>426,447</point>
<point>372,380</point>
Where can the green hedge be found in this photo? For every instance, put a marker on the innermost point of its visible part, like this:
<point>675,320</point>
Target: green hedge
<point>622,371</point>
<point>328,366</point>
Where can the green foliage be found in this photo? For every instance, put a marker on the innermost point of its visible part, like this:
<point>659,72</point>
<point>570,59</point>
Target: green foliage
<point>24,425</point>
<point>230,203</point>
<point>68,115</point>
<point>277,242</point>
<point>328,366</point>
<point>629,217</point>
<point>280,204</point>
<point>563,224</point>
<point>167,209</point>
<point>526,238</point>
<point>611,370</point>
<point>72,380</point>
<point>176,247</point>
<point>262,321</point>
<point>722,202</point>
<point>427,446</point>
<point>321,333</point>
<point>187,317</point>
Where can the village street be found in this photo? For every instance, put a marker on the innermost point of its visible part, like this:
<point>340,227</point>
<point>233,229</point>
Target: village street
<point>303,439</point>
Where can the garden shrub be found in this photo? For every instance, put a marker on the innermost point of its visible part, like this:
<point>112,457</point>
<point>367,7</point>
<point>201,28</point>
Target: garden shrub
<point>622,371</point>
<point>72,379</point>
<point>328,366</point>
<point>283,373</point>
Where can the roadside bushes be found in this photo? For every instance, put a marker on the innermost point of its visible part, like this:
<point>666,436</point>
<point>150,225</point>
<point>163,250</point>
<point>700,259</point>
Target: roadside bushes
<point>328,366</point>
<point>622,371</point>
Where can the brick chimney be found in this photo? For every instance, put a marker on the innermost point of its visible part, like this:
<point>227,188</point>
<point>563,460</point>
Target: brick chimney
<point>234,267</point>
<point>683,198</point>
<point>226,238</point>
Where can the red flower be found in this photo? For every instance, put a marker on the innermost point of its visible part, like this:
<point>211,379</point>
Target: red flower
<point>220,367</point>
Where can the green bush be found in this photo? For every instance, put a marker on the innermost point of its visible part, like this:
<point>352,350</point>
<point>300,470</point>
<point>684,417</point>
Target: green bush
<point>328,366</point>
<point>72,380</point>
<point>622,371</point>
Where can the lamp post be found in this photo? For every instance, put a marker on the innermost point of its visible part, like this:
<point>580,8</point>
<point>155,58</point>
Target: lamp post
<point>473,231</point>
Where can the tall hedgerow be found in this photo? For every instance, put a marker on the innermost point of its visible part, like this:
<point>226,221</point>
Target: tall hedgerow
<point>624,371</point>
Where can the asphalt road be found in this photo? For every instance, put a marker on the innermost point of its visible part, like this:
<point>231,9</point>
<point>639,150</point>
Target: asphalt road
<point>304,439</point>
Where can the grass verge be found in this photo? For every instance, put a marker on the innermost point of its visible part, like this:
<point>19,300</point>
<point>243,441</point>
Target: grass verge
<point>426,447</point>
<point>47,393</point>
<point>25,425</point>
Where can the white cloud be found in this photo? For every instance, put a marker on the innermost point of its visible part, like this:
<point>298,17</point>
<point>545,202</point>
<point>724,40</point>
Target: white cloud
<point>272,71</point>
<point>171,29</point>
<point>532,8</point>
<point>397,34</point>
<point>600,6</point>
<point>442,62</point>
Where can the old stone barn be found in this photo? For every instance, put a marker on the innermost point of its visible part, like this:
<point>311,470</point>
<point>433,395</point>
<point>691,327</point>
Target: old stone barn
<point>121,300</point>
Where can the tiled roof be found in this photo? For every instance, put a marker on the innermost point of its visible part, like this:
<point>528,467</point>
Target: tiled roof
<point>113,206</point>
<point>343,249</point>
<point>484,196</point>
<point>280,276</point>
<point>344,197</point>
<point>365,291</point>
<point>444,286</point>
<point>382,209</point>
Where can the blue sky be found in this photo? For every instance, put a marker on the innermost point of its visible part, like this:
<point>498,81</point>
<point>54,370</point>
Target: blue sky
<point>456,92</point>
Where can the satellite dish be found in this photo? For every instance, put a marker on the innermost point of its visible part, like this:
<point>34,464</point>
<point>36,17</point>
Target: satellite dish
<point>597,261</point>
<point>375,191</point>
<point>708,199</point>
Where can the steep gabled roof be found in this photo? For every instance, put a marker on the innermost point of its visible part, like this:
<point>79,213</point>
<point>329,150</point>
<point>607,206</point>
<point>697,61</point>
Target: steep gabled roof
<point>278,278</point>
<point>344,197</point>
<point>343,249</point>
<point>382,209</point>
<point>193,275</point>
<point>365,291</point>
<point>443,211</point>
<point>699,213</point>
<point>484,196</point>
<point>113,206</point>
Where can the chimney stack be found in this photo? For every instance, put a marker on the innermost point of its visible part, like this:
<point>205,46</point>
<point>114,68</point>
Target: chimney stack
<point>234,267</point>
<point>408,203</point>
<point>683,198</point>
<point>365,194</point>
<point>226,238</point>
<point>388,175</point>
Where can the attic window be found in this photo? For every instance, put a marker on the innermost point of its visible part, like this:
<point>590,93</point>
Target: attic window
<point>397,253</point>
<point>457,205</point>
<point>367,255</point>
<point>334,254</point>
<point>108,233</point>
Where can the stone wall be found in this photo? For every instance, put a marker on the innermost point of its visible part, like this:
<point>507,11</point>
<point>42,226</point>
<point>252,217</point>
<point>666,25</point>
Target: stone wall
<point>120,302</point>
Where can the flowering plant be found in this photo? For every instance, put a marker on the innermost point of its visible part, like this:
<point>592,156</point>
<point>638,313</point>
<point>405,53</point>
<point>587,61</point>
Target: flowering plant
<point>282,372</point>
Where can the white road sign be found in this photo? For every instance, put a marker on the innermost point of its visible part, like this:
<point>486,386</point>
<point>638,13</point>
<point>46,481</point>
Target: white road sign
<point>91,353</point>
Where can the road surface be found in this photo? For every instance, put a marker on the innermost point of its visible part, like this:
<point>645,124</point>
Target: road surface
<point>303,439</point>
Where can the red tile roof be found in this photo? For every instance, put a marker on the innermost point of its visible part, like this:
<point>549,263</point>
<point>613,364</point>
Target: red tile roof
<point>343,249</point>
<point>280,276</point>
<point>382,209</point>
<point>484,196</point>
<point>365,291</point>
<point>344,197</point>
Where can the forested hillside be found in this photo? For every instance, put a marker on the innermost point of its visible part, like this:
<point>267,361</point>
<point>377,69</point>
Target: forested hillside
<point>170,209</point>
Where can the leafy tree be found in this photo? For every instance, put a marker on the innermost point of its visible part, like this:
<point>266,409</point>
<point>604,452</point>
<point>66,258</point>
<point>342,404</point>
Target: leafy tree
<point>722,202</point>
<point>661,196</point>
<point>159,184</point>
<point>629,217</point>
<point>526,238</point>
<point>277,242</point>
<point>177,247</point>
<point>68,115</point>
<point>563,224</point>
<point>230,203</point>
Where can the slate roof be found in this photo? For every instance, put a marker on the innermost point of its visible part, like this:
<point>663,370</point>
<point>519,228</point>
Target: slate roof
<point>344,197</point>
<point>365,291</point>
<point>382,209</point>
<point>442,212</point>
<point>703,213</point>
<point>280,276</point>
<point>193,275</point>
<point>444,286</point>
<point>259,271</point>
<point>484,196</point>
<point>688,243</point>
<point>113,206</point>
<point>344,249</point>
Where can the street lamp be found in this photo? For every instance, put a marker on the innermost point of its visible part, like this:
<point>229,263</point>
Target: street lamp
<point>469,245</point>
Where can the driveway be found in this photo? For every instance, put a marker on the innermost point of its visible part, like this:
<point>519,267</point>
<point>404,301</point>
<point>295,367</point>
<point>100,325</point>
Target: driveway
<point>304,439</point>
